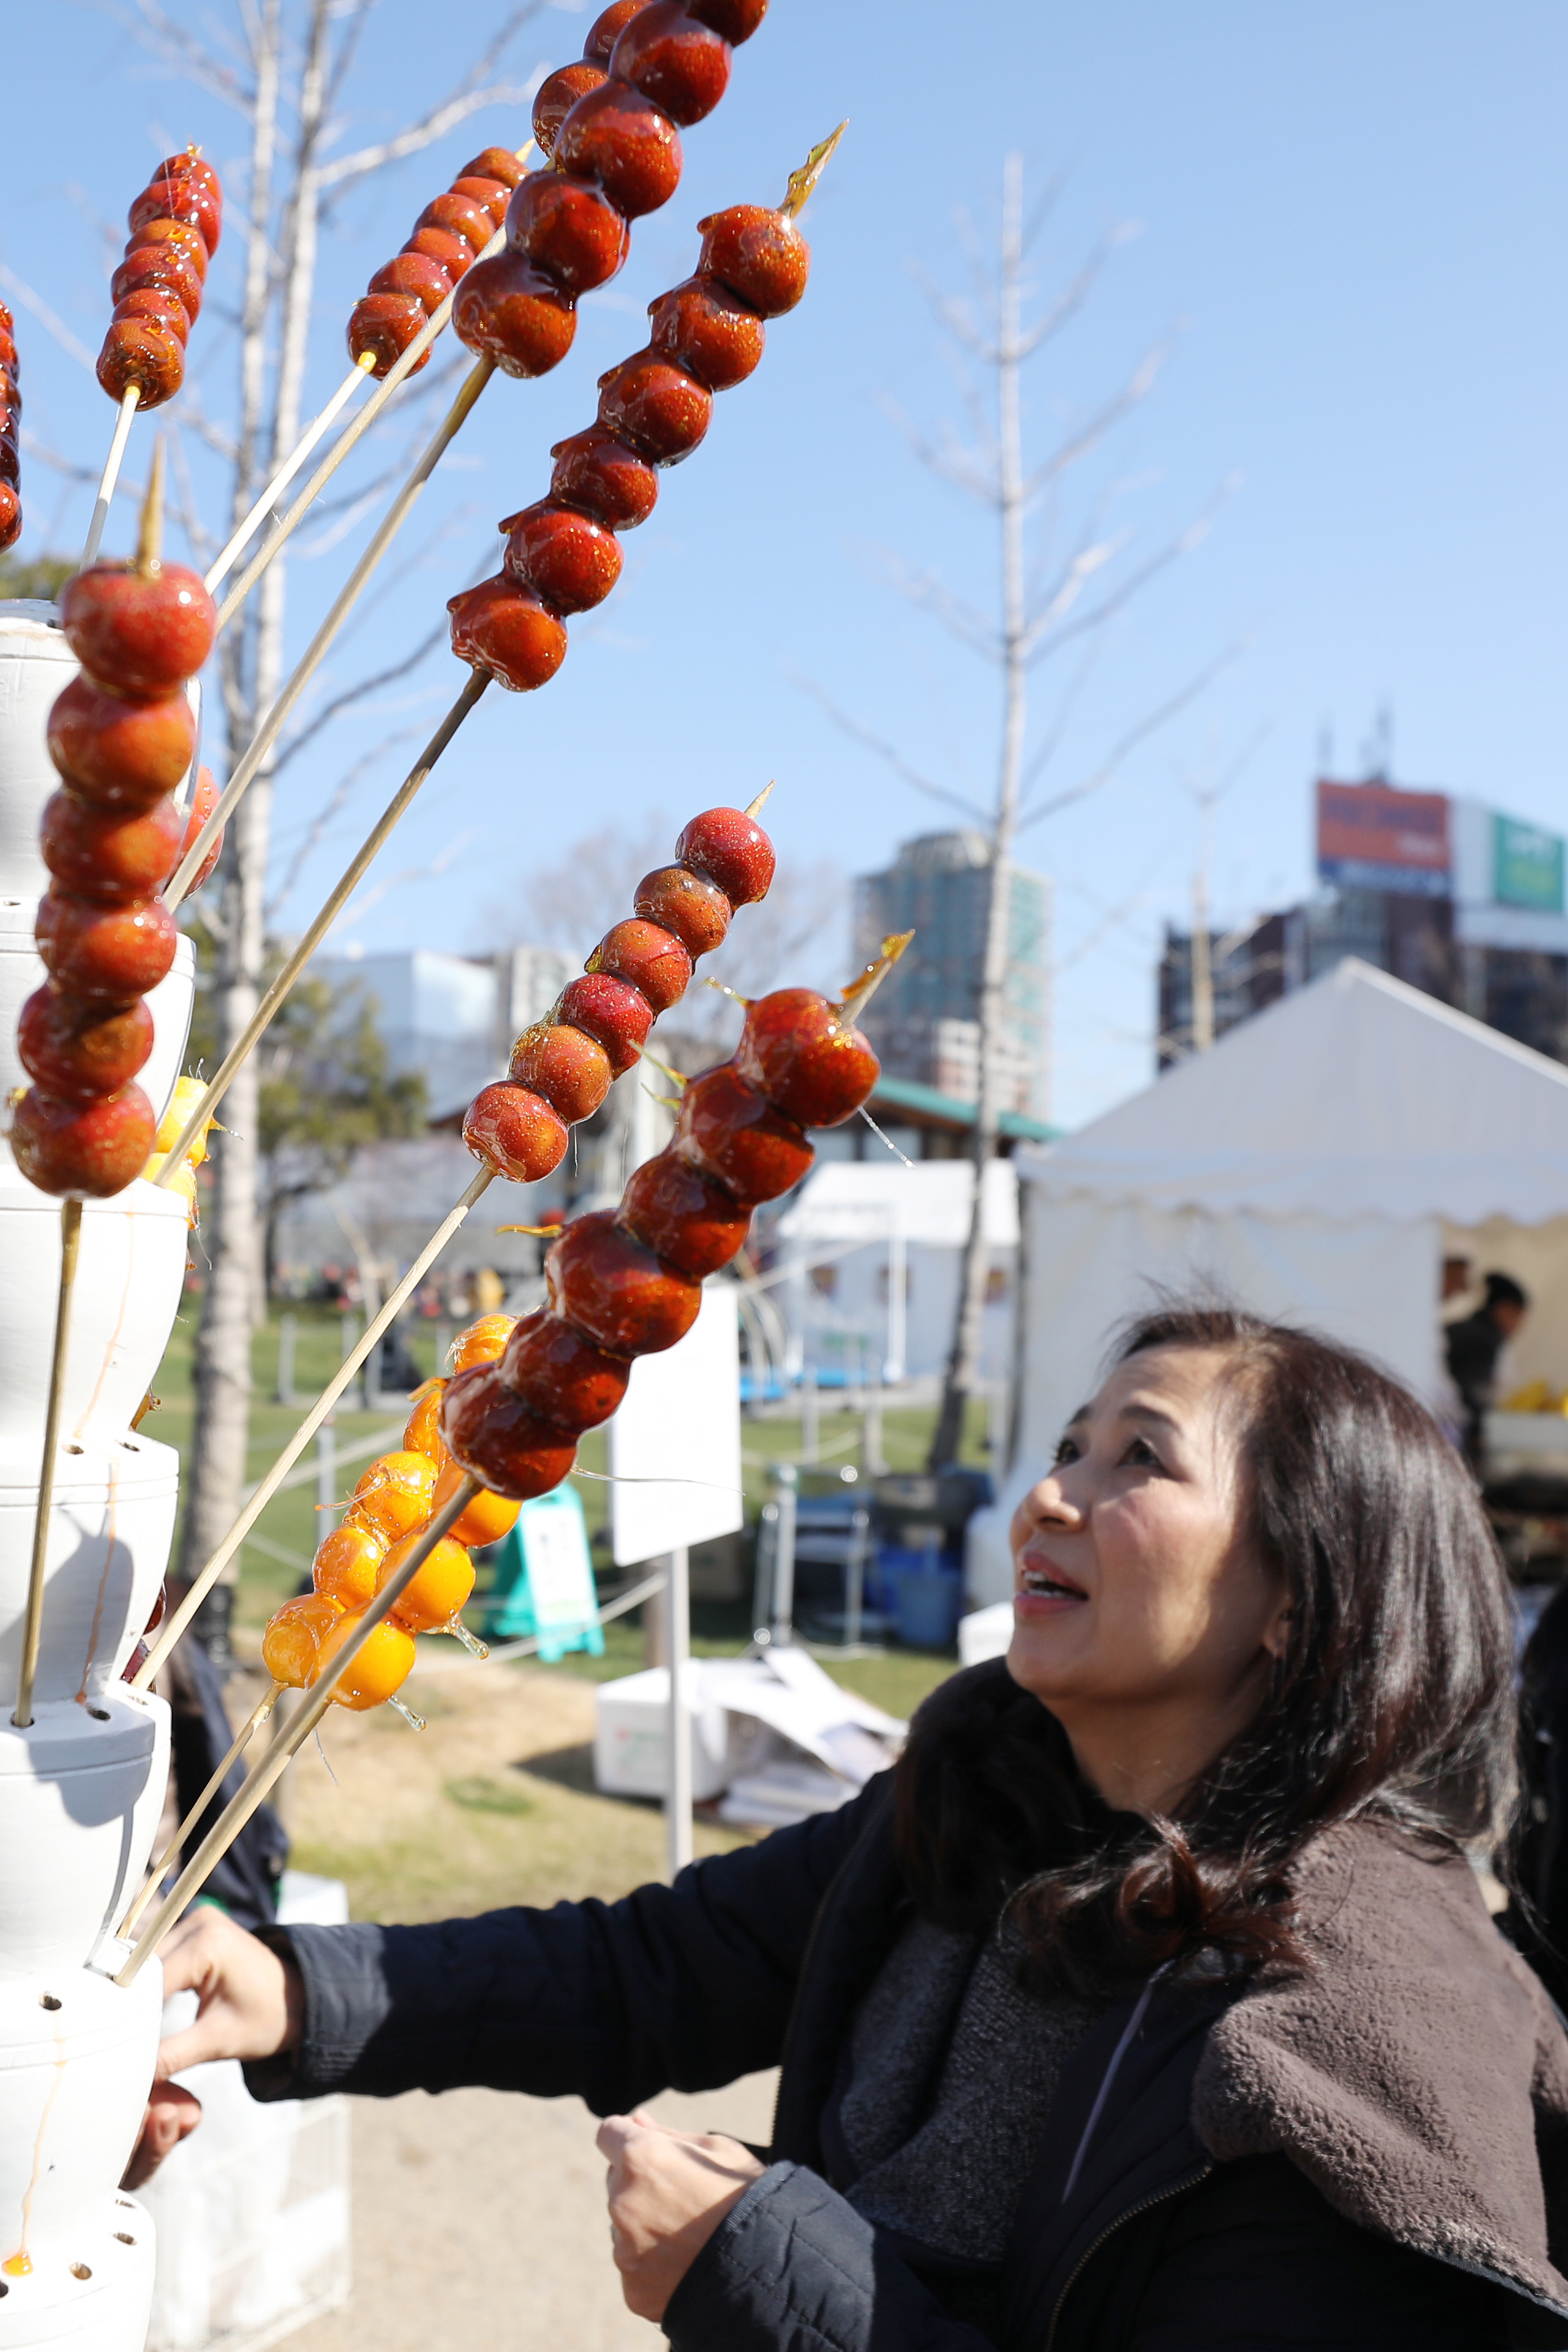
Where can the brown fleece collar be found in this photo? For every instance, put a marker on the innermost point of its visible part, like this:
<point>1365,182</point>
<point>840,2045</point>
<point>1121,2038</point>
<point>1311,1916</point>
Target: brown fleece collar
<point>1418,2076</point>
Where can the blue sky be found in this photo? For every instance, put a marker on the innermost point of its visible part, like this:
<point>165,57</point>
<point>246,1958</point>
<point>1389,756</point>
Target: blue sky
<point>1349,222</point>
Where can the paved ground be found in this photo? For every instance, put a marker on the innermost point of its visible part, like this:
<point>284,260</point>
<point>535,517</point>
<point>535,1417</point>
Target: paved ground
<point>479,2223</point>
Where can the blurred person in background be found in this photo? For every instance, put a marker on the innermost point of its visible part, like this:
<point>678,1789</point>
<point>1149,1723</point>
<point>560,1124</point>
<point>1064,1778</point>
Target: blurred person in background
<point>1472,1348</point>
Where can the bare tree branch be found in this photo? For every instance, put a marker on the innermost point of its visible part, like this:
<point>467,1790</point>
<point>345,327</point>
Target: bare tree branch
<point>357,693</point>
<point>52,323</point>
<point>886,751</point>
<point>341,794</point>
<point>1148,725</point>
<point>470,95</point>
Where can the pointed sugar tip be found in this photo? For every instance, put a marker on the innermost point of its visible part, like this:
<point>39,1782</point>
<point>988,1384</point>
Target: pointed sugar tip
<point>150,540</point>
<point>756,807</point>
<point>802,183</point>
<point>859,991</point>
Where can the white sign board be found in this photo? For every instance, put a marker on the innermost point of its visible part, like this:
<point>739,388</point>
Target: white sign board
<point>676,1441</point>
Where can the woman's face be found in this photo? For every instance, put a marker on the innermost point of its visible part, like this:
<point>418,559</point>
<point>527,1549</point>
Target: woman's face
<point>1142,1618</point>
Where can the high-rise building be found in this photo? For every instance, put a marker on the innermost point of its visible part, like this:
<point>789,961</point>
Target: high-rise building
<point>924,1020</point>
<point>452,1017</point>
<point>1459,900</point>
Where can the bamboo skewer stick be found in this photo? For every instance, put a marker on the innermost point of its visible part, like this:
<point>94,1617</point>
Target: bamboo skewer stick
<point>223,562</point>
<point>170,1633</point>
<point>267,734</point>
<point>111,465</point>
<point>305,948</point>
<point>243,1738</point>
<point>292,1738</point>
<point>401,367</point>
<point>33,1622</point>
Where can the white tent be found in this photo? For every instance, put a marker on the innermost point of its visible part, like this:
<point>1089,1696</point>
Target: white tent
<point>1317,1165</point>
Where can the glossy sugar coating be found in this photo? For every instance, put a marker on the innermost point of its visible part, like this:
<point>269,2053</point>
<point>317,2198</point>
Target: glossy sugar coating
<point>379,1671</point>
<point>491,196</point>
<point>737,20</point>
<point>647,958</point>
<point>515,1132</point>
<point>485,1519</point>
<point>188,181</point>
<point>179,237</point>
<point>596,471</point>
<point>509,311</point>
<point>811,1062</point>
<point>89,1151</point>
<point>138,632</point>
<point>562,555</point>
<point>656,408</point>
<point>625,145</point>
<point>569,230</point>
<point>76,1048</point>
<point>732,849</point>
<point>418,274</point>
<point>758,255</point>
<point>493,1436</point>
<point>422,1430</point>
<point>504,629</point>
<point>561,1375</point>
<point>731,1130</point>
<point>557,95</point>
<point>681,64</point>
<point>616,1290</point>
<point>707,330</point>
<point>459,217</point>
<point>382,327</point>
<point>141,352</point>
<point>348,1560</point>
<point>162,308</point>
<point>120,754</point>
<point>204,798</point>
<point>109,854</point>
<point>439,1588</point>
<point>105,951</point>
<point>687,904</point>
<point>291,1645</point>
<point>394,1496</point>
<point>694,1222</point>
<point>158,265</point>
<point>618,1016</point>
<point>570,1069</point>
<point>607,27</point>
<point>483,1341</point>
<point>494,163</point>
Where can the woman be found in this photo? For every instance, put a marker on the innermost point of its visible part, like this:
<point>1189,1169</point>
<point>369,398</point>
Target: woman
<point>1150,2003</point>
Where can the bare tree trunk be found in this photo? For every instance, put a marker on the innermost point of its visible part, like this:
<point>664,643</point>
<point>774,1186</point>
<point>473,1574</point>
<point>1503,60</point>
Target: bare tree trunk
<point>216,1480</point>
<point>964,1360</point>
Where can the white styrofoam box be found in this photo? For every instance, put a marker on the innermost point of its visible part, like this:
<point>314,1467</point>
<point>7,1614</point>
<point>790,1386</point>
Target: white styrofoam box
<point>22,971</point>
<point>76,2053</point>
<point>81,1790</point>
<point>109,1545</point>
<point>985,1634</point>
<point>98,2302</point>
<point>131,1273</point>
<point>252,2210</point>
<point>631,1736</point>
<point>35,663</point>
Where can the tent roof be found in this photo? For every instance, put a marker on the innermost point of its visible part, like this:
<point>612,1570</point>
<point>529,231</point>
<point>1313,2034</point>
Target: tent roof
<point>1356,1096</point>
<point>856,1200</point>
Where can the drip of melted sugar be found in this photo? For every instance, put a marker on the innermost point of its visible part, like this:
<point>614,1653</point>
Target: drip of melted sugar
<point>20,2264</point>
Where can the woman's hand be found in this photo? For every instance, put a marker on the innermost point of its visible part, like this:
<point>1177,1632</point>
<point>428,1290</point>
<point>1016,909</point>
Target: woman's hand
<point>669,2191</point>
<point>171,2113</point>
<point>250,2000</point>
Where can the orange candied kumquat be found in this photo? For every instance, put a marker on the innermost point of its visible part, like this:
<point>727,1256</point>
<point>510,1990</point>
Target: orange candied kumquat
<point>481,1342</point>
<point>346,1563</point>
<point>291,1645</point>
<point>379,1671</point>
<point>394,1494</point>
<point>439,1588</point>
<point>487,1518</point>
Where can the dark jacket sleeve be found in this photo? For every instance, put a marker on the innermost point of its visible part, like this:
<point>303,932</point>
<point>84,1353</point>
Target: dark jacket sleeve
<point>681,1987</point>
<point>794,2265</point>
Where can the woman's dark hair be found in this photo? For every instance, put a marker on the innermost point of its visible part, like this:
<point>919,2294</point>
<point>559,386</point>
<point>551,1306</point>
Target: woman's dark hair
<point>1393,1701</point>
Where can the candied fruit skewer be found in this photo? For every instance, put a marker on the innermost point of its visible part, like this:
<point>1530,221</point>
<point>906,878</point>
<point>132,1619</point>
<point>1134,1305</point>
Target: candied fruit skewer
<point>348,1649</point>
<point>175,224</point>
<point>628,1283</point>
<point>722,846</point>
<point>10,435</point>
<point>563,554</point>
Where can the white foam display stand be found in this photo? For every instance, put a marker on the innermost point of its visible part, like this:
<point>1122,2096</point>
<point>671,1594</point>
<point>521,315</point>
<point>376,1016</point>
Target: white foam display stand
<point>100,2303</point>
<point>35,663</point>
<point>87,1782</point>
<point>108,1548</point>
<point>131,1271</point>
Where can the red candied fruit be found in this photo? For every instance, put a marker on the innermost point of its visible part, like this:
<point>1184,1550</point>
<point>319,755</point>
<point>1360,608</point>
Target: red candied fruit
<point>514,1133</point>
<point>670,57</point>
<point>555,99</point>
<point>454,254</point>
<point>694,1223</point>
<point>570,1069</point>
<point>139,352</point>
<point>811,1062</point>
<point>619,1292</point>
<point>113,951</point>
<point>617,1016</point>
<point>596,471</point>
<point>735,20</point>
<point>568,229</point>
<point>180,195</point>
<point>709,333</point>
<point>203,800</point>
<point>105,855</point>
<point>179,237</point>
<point>491,1435</point>
<point>460,217</point>
<point>562,555</point>
<point>157,265</point>
<point>648,958</point>
<point>620,138</point>
<point>159,308</point>
<point>491,196</point>
<point>733,850</point>
<point>141,634</point>
<point>10,516</point>
<point>507,309</point>
<point>92,1149</point>
<point>607,27</point>
<point>729,1127</point>
<point>686,903</point>
<point>117,755</point>
<point>415,274</point>
<point>758,255</point>
<point>663,412</point>
<point>76,1049</point>
<point>382,327</point>
<point>559,1373</point>
<point>494,164</point>
<point>500,627</point>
